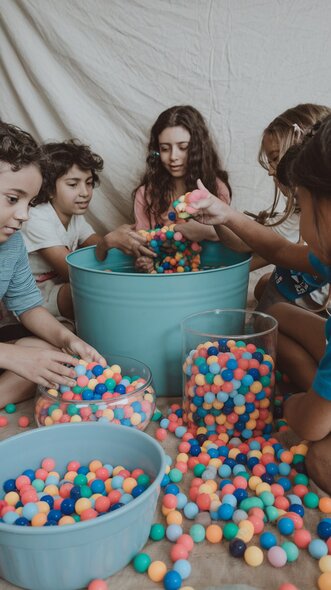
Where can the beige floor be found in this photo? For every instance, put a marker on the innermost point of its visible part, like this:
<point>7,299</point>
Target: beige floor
<point>211,564</point>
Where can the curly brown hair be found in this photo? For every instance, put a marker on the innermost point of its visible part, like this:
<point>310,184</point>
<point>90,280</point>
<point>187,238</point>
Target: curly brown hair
<point>19,149</point>
<point>62,156</point>
<point>202,162</point>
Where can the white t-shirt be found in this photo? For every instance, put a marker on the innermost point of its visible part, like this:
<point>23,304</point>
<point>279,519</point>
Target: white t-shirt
<point>45,230</point>
<point>290,228</point>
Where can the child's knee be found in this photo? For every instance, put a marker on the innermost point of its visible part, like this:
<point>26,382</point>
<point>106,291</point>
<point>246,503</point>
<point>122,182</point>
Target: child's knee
<point>318,463</point>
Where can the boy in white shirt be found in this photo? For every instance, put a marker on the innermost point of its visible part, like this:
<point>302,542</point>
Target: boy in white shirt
<point>57,226</point>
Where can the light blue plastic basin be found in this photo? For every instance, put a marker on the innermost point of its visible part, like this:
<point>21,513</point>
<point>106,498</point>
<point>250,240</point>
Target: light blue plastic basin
<point>69,557</point>
<point>139,315</point>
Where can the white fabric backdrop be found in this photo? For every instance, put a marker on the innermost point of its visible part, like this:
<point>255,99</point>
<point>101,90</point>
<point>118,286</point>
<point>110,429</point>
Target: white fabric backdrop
<point>102,71</point>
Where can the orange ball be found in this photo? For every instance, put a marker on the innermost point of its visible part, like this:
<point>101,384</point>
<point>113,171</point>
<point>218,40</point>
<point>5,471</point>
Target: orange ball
<point>214,533</point>
<point>324,581</point>
<point>325,505</point>
<point>157,570</point>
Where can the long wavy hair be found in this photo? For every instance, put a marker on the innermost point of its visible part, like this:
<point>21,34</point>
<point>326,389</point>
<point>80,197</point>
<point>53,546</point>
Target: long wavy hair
<point>202,160</point>
<point>288,129</point>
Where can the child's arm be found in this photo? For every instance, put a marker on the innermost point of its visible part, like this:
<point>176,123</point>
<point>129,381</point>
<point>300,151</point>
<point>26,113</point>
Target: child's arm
<point>261,239</point>
<point>196,232</point>
<point>47,367</point>
<point>127,240</point>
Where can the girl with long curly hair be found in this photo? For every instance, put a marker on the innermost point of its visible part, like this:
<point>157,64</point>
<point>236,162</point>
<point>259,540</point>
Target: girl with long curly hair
<point>180,150</point>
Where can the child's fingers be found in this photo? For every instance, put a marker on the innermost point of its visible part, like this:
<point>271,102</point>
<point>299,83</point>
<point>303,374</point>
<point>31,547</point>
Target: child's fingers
<point>101,251</point>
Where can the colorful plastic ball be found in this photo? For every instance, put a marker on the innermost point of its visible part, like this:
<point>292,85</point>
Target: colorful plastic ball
<point>10,408</point>
<point>311,500</point>
<point>302,538</point>
<point>183,567</point>
<point>237,548</point>
<point>214,533</point>
<point>253,556</point>
<point>291,550</point>
<point>268,540</point>
<point>157,531</point>
<point>23,421</point>
<point>3,421</point>
<point>198,533</point>
<point>285,526</point>
<point>288,586</point>
<point>173,532</point>
<point>324,581</point>
<point>325,505</point>
<point>172,580</point>
<point>317,548</point>
<point>324,528</point>
<point>325,563</point>
<point>157,570</point>
<point>141,562</point>
<point>277,556</point>
<point>97,584</point>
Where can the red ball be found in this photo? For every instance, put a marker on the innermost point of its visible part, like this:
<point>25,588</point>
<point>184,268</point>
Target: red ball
<point>23,421</point>
<point>97,584</point>
<point>302,538</point>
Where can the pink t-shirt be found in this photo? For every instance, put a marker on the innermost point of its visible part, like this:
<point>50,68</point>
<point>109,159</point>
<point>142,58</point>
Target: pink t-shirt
<point>141,217</point>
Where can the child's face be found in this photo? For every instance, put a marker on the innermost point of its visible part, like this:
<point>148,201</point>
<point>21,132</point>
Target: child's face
<point>17,189</point>
<point>173,147</point>
<point>73,192</point>
<point>272,152</point>
<point>315,226</point>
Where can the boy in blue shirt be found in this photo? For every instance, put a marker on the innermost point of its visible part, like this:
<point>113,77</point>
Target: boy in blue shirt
<point>42,359</point>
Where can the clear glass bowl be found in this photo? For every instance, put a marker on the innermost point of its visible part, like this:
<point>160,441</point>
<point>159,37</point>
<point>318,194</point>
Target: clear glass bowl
<point>133,409</point>
<point>229,372</point>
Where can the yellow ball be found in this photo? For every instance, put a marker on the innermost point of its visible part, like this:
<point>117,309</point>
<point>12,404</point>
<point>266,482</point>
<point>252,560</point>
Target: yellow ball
<point>128,484</point>
<point>82,504</point>
<point>51,489</point>
<point>214,533</point>
<point>174,517</point>
<point>115,368</point>
<point>75,418</point>
<point>246,531</point>
<point>66,519</point>
<point>39,519</point>
<point>325,563</point>
<point>12,498</point>
<point>253,556</point>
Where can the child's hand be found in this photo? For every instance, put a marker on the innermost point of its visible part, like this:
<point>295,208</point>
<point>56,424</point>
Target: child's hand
<point>127,240</point>
<point>209,210</point>
<point>144,264</point>
<point>45,367</point>
<point>77,346</point>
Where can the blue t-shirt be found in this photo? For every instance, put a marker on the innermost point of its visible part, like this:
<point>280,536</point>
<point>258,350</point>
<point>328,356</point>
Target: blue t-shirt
<point>322,382</point>
<point>18,289</point>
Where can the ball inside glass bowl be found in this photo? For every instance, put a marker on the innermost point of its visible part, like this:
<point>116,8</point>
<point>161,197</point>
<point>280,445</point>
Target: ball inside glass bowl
<point>125,397</point>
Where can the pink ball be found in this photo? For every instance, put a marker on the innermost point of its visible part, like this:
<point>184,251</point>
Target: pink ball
<point>277,556</point>
<point>97,584</point>
<point>288,586</point>
<point>48,463</point>
<point>23,421</point>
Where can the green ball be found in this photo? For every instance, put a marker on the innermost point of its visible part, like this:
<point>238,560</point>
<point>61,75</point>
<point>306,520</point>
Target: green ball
<point>267,498</point>
<point>291,551</point>
<point>141,562</point>
<point>198,533</point>
<point>157,531</point>
<point>72,410</point>
<point>272,513</point>
<point>298,458</point>
<point>175,475</point>
<point>80,480</point>
<point>143,480</point>
<point>199,469</point>
<point>230,531</point>
<point>157,415</point>
<point>311,500</point>
<point>10,408</point>
<point>85,491</point>
<point>77,389</point>
<point>110,384</point>
<point>301,478</point>
<point>249,503</point>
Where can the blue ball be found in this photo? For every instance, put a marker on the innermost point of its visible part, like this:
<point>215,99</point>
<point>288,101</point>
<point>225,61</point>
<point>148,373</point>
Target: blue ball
<point>317,548</point>
<point>225,512</point>
<point>97,370</point>
<point>298,508</point>
<point>21,521</point>
<point>100,389</point>
<point>49,499</point>
<point>183,568</point>
<point>285,526</point>
<point>324,528</point>
<point>237,548</point>
<point>9,485</point>
<point>172,580</point>
<point>68,506</point>
<point>54,515</point>
<point>268,540</point>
